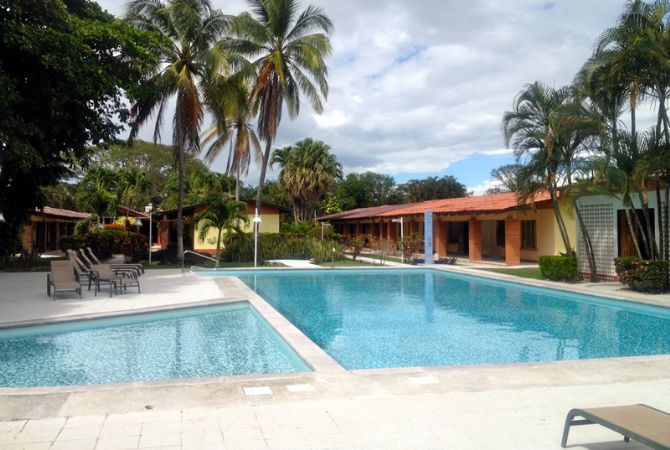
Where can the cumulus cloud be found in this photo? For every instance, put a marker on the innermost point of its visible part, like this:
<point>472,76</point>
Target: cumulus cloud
<point>417,86</point>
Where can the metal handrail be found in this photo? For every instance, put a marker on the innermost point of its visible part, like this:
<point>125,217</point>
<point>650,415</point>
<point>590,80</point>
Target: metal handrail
<point>216,261</point>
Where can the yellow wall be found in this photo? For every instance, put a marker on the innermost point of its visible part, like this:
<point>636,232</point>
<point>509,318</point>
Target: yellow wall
<point>269,224</point>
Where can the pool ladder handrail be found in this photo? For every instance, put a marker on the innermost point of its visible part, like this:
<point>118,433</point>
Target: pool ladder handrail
<point>216,261</point>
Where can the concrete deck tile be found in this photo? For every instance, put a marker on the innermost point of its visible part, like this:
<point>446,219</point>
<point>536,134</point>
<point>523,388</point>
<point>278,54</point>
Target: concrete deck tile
<point>72,433</point>
<point>31,446</point>
<point>119,442</point>
<point>44,424</point>
<point>243,434</point>
<point>84,421</point>
<point>255,444</point>
<point>12,425</point>
<point>109,430</point>
<point>75,444</point>
<point>163,439</point>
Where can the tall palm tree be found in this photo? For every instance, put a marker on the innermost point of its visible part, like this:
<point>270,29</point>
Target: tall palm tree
<point>222,215</point>
<point>234,128</point>
<point>192,54</point>
<point>308,172</point>
<point>531,130</point>
<point>288,51</point>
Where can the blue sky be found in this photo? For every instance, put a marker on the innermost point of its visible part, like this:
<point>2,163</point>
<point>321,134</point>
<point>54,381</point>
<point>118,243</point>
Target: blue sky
<point>419,88</point>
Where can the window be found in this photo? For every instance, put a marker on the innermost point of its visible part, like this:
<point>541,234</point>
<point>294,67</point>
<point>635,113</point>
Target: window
<point>500,233</point>
<point>528,234</point>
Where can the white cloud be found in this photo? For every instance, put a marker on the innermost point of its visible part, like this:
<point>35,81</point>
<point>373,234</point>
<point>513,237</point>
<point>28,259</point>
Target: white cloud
<point>416,86</point>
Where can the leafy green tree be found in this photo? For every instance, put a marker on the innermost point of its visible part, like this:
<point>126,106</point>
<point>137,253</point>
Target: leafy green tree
<point>308,171</point>
<point>362,190</point>
<point>193,58</point>
<point>61,195</point>
<point>433,188</point>
<point>65,66</point>
<point>289,49</point>
<point>225,216</point>
<point>98,192</point>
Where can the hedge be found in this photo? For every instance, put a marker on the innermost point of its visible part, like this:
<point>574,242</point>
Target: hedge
<point>107,242</point>
<point>240,248</point>
<point>559,268</point>
<point>643,275</point>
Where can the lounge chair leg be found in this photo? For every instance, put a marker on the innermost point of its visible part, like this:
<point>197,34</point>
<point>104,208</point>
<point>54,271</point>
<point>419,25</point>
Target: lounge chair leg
<point>626,439</point>
<point>566,429</point>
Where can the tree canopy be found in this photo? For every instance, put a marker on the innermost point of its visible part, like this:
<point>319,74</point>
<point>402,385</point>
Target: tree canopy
<point>64,68</point>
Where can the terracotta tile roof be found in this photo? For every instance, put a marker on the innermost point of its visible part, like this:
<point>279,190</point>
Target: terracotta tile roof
<point>480,204</point>
<point>56,212</point>
<point>361,213</point>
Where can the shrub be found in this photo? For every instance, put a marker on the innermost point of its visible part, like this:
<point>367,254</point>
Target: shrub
<point>559,268</point>
<point>240,248</point>
<point>24,260</point>
<point>107,242</point>
<point>356,245</point>
<point>643,275</point>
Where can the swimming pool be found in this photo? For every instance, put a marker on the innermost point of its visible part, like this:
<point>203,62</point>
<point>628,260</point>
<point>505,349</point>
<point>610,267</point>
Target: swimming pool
<point>403,318</point>
<point>194,342</point>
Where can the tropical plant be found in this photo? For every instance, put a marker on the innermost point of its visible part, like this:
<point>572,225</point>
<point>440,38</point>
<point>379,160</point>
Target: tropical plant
<point>307,170</point>
<point>222,215</point>
<point>194,57</point>
<point>289,51</point>
<point>98,192</point>
<point>233,127</point>
<point>432,188</point>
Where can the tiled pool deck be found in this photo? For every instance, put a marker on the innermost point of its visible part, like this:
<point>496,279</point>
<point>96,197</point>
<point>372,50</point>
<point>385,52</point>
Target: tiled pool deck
<point>516,406</point>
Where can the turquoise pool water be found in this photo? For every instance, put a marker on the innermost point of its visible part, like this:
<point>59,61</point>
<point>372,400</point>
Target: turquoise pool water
<point>402,318</point>
<point>194,342</point>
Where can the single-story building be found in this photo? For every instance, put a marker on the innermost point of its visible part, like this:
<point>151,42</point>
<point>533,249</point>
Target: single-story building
<point>165,233</point>
<point>43,229</point>
<point>605,220</point>
<point>493,227</point>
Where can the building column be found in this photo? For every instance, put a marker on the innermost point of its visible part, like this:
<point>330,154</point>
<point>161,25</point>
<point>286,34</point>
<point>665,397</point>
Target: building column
<point>512,241</point>
<point>441,237</point>
<point>389,231</point>
<point>381,230</point>
<point>475,240</point>
<point>358,229</point>
<point>27,237</point>
<point>164,234</point>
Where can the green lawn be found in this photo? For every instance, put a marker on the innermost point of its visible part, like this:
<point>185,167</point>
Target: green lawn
<point>525,272</point>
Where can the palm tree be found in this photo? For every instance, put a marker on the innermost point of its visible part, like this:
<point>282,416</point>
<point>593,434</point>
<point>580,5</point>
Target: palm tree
<point>308,172</point>
<point>222,215</point>
<point>289,51</point>
<point>98,191</point>
<point>192,54</point>
<point>531,129</point>
<point>133,185</point>
<point>233,126</point>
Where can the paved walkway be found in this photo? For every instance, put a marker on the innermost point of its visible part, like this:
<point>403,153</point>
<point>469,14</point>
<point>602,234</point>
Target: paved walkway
<point>516,406</point>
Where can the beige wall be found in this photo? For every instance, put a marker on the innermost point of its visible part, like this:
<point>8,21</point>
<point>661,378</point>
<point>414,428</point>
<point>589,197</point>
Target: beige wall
<point>269,224</point>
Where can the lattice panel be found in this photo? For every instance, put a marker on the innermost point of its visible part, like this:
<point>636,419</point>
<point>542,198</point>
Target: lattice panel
<point>600,220</point>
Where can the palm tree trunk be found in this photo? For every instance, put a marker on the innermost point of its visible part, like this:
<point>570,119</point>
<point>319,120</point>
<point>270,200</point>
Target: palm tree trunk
<point>261,180</point>
<point>659,214</point>
<point>561,224</point>
<point>651,238</point>
<point>631,228</point>
<point>666,222</point>
<point>590,256</point>
<point>237,184</point>
<point>218,244</point>
<point>180,201</point>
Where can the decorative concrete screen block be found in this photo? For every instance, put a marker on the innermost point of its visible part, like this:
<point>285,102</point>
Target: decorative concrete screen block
<point>600,220</point>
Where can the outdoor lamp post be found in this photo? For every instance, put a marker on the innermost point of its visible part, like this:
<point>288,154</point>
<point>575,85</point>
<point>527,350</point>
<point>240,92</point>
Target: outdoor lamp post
<point>402,237</point>
<point>322,224</point>
<point>257,224</point>
<point>2,217</point>
<point>148,209</point>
